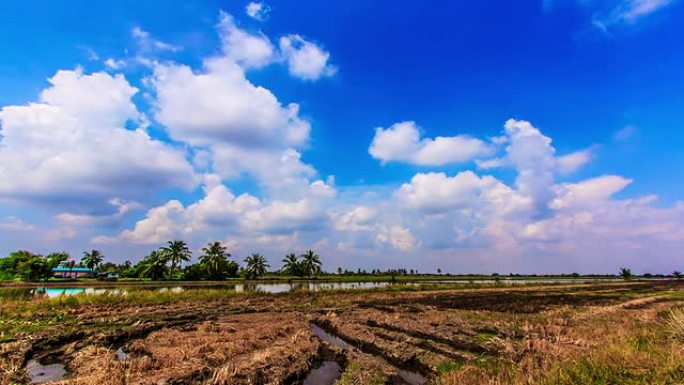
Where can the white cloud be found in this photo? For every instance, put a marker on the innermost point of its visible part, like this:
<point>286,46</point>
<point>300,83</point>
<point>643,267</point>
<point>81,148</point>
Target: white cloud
<point>122,209</point>
<point>221,213</point>
<point>12,223</point>
<point>71,148</point>
<point>438,193</point>
<point>149,44</point>
<point>625,133</point>
<point>401,142</point>
<point>572,162</point>
<point>305,59</point>
<point>114,64</point>
<point>360,218</point>
<point>398,237</point>
<point>245,49</point>
<point>257,10</point>
<point>225,107</point>
<point>532,155</point>
<point>590,191</point>
<point>627,12</point>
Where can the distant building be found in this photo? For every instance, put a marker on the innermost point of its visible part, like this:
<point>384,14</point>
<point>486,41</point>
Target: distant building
<point>72,272</point>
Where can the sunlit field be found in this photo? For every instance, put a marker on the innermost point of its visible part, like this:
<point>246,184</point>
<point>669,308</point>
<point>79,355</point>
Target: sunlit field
<point>602,333</point>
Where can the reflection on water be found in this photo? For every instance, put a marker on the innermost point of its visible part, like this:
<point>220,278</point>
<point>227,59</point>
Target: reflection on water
<point>38,372</point>
<point>51,292</point>
<point>326,374</point>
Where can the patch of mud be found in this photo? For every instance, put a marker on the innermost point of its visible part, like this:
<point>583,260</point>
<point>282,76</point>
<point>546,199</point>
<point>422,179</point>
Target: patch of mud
<point>411,378</point>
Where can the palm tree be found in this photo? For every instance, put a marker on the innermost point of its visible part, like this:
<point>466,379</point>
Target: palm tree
<point>214,259</point>
<point>311,263</point>
<point>256,266</point>
<point>154,265</point>
<point>291,265</point>
<point>92,259</point>
<point>176,252</point>
<point>677,274</point>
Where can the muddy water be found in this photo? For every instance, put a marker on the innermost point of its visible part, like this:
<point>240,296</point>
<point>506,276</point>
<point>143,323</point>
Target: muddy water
<point>39,373</point>
<point>326,374</point>
<point>411,378</point>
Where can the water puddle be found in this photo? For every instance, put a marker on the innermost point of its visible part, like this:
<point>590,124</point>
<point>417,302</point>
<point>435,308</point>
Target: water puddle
<point>120,354</point>
<point>411,378</point>
<point>329,338</point>
<point>326,374</point>
<point>38,372</point>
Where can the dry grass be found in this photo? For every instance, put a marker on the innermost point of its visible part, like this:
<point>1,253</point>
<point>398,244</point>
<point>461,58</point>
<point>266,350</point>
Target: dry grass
<point>556,335</point>
<point>676,322</point>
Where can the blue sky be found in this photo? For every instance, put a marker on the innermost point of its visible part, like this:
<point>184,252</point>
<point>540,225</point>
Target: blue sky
<point>469,136</point>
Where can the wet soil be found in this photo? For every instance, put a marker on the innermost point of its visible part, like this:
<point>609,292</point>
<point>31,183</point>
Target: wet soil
<point>321,338</point>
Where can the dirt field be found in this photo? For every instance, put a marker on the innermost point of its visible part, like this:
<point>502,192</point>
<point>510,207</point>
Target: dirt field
<point>612,333</point>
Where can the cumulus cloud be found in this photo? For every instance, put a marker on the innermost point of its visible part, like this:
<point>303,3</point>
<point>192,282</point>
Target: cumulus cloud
<point>239,127</point>
<point>225,107</point>
<point>257,10</point>
<point>246,49</point>
<point>305,59</point>
<point>401,142</point>
<point>71,147</point>
<point>221,212</point>
<point>572,162</point>
<point>532,155</point>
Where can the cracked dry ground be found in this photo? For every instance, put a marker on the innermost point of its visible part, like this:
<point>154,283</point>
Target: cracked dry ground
<point>529,335</point>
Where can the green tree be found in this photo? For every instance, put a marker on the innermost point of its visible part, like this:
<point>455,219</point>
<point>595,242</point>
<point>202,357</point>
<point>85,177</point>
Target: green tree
<point>291,265</point>
<point>176,252</point>
<point>92,259</point>
<point>256,266</point>
<point>153,266</point>
<point>9,265</point>
<point>37,267</point>
<point>215,260</point>
<point>677,274</point>
<point>311,263</point>
<point>626,273</point>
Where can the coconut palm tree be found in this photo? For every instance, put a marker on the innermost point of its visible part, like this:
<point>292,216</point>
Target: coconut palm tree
<point>215,259</point>
<point>256,266</point>
<point>176,252</point>
<point>154,265</point>
<point>291,265</point>
<point>92,259</point>
<point>311,263</point>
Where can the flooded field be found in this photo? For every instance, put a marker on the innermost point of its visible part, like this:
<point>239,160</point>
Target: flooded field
<point>609,333</point>
<point>277,287</point>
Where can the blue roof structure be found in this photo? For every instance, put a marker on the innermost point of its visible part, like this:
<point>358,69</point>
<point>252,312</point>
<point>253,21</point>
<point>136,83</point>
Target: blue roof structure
<point>62,269</point>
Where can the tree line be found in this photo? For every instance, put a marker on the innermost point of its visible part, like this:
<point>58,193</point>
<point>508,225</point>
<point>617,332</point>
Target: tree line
<point>214,264</point>
<point>163,263</point>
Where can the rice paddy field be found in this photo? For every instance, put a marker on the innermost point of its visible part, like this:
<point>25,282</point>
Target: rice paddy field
<point>585,333</point>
